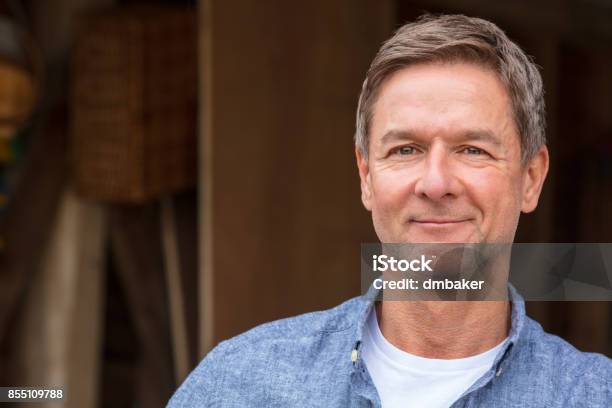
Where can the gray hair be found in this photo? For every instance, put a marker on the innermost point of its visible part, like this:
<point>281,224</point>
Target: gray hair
<point>454,38</point>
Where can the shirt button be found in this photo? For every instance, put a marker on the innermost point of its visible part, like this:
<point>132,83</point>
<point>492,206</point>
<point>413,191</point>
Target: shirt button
<point>354,355</point>
<point>499,371</point>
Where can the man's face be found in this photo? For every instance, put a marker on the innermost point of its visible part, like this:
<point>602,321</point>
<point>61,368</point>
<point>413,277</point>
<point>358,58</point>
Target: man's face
<point>444,160</point>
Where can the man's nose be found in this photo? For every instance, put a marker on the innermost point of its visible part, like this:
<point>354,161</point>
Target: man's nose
<point>438,179</point>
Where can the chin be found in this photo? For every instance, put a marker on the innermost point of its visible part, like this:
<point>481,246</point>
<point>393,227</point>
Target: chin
<point>441,235</point>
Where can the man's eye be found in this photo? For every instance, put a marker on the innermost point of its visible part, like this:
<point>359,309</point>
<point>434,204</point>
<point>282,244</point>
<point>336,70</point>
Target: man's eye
<point>474,150</point>
<point>405,150</point>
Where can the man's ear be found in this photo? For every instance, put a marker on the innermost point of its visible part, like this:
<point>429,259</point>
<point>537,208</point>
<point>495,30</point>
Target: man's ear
<point>535,173</point>
<point>364,176</point>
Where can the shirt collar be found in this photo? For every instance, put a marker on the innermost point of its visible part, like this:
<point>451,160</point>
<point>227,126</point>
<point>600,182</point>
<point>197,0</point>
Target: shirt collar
<point>517,321</point>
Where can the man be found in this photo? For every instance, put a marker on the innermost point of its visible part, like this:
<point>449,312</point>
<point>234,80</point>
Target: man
<point>450,147</point>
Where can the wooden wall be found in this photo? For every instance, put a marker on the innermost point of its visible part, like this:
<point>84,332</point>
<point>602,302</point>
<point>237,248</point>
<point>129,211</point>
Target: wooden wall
<point>282,216</point>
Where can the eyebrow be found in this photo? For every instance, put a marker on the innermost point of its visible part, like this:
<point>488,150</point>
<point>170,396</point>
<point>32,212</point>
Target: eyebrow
<point>484,135</point>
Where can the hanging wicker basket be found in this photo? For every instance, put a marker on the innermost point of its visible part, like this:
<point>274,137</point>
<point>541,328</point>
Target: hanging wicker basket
<point>133,104</point>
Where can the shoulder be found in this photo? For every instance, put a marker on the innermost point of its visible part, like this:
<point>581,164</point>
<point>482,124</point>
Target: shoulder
<point>562,366</point>
<point>292,329</point>
<point>279,350</point>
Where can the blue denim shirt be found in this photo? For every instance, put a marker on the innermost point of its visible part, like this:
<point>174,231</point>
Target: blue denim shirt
<point>310,361</point>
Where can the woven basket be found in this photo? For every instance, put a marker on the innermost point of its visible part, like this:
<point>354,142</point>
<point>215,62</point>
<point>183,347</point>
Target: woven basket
<point>133,104</point>
<point>17,98</point>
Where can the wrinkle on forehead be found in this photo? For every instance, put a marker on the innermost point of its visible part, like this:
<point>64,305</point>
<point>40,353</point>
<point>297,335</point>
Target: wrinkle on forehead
<point>438,99</point>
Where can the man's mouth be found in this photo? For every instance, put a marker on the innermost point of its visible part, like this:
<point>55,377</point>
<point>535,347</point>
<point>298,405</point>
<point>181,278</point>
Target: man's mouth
<point>439,221</point>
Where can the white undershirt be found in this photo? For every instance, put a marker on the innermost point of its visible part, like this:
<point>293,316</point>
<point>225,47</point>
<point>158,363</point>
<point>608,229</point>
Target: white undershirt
<point>406,380</point>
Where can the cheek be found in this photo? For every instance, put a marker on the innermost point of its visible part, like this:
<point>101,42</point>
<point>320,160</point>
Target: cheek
<point>498,196</point>
<point>392,191</point>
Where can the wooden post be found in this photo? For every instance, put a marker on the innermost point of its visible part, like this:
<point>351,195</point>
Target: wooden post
<point>206,180</point>
<point>61,330</point>
<point>174,284</point>
<point>137,250</point>
<point>281,220</point>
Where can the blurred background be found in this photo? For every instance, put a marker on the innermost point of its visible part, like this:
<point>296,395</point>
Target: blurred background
<point>175,173</point>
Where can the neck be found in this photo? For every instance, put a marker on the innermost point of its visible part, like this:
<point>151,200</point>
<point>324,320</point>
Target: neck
<point>444,330</point>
